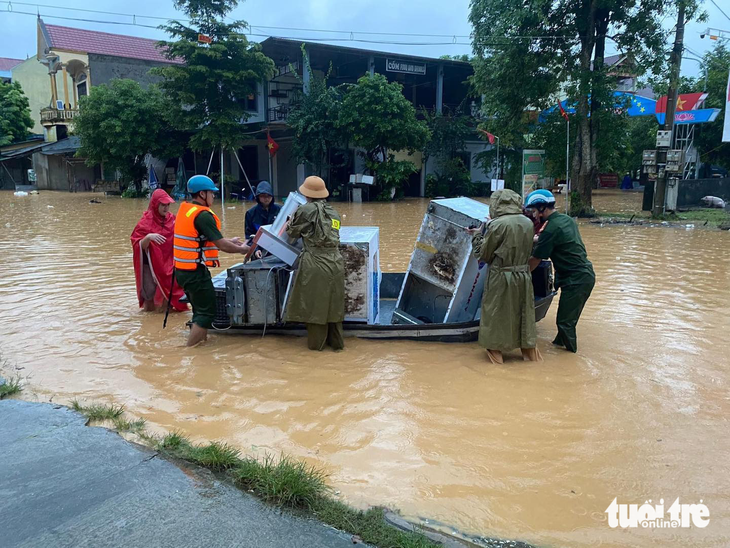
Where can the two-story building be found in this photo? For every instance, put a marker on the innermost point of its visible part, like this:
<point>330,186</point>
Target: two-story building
<point>431,84</point>
<point>68,63</point>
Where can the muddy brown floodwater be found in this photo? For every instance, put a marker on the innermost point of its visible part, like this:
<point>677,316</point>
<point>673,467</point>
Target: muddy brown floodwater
<point>535,452</point>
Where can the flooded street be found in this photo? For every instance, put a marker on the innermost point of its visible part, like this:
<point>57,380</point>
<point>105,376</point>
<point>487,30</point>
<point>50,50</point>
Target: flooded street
<point>535,452</point>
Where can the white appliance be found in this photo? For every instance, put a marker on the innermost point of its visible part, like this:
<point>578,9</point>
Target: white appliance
<point>360,249</point>
<point>444,281</point>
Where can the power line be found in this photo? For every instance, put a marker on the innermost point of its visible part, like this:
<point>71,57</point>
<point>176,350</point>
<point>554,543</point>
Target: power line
<point>299,38</point>
<point>68,8</point>
<point>352,34</point>
<point>497,41</point>
<point>719,8</point>
<point>85,20</point>
<point>136,16</point>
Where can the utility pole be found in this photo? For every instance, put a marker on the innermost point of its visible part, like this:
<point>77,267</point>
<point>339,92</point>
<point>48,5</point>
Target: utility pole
<point>676,62</point>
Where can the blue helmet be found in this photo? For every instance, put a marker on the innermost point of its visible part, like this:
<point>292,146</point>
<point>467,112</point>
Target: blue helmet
<point>539,197</point>
<point>198,183</point>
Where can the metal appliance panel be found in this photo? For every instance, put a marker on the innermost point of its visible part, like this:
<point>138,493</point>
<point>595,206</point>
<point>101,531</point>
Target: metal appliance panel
<point>444,282</point>
<point>290,205</point>
<point>255,292</point>
<point>278,247</point>
<point>359,247</point>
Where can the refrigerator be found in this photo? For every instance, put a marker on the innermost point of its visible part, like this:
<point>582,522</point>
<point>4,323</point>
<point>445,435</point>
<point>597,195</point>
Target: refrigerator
<point>444,281</point>
<point>359,246</point>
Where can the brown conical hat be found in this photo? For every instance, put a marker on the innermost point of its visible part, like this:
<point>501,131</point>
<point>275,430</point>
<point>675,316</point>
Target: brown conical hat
<point>314,187</point>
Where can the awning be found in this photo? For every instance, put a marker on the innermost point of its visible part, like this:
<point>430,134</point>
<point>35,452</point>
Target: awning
<point>21,152</point>
<point>64,146</point>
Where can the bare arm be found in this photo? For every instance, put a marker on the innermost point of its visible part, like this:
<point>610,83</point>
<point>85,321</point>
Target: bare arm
<point>151,237</point>
<point>534,262</point>
<point>231,245</point>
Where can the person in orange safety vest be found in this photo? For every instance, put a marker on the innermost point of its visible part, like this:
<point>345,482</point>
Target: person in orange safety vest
<point>196,243</point>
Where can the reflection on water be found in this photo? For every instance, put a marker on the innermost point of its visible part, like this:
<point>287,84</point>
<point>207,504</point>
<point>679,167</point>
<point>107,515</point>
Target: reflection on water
<point>535,452</point>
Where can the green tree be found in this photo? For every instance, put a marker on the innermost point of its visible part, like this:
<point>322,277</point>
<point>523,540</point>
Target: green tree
<point>379,119</point>
<point>529,52</point>
<point>211,83</point>
<point>15,120</point>
<point>709,139</point>
<point>120,123</point>
<point>314,119</point>
<point>463,57</point>
<point>449,131</point>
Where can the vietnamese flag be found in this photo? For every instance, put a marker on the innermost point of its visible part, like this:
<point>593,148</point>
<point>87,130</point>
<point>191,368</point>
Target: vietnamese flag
<point>272,145</point>
<point>685,101</point>
<point>562,111</point>
<point>490,137</point>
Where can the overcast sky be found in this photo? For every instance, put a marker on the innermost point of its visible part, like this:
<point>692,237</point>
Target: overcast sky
<point>432,17</point>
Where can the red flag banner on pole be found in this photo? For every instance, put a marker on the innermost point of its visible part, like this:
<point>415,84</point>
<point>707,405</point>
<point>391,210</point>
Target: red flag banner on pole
<point>203,39</point>
<point>489,136</point>
<point>272,145</point>
<point>562,111</point>
<point>685,101</point>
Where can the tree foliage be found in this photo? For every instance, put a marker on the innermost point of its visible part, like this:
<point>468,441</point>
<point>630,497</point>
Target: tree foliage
<point>314,118</point>
<point>15,120</point>
<point>449,131</point>
<point>377,117</point>
<point>529,52</point>
<point>210,83</point>
<point>120,123</point>
<point>709,139</point>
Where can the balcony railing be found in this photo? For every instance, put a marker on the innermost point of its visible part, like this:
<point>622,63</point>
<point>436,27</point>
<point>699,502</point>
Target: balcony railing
<point>279,114</point>
<point>56,116</point>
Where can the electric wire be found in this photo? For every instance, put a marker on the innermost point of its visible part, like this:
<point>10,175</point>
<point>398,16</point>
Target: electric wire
<point>351,35</point>
<point>719,8</point>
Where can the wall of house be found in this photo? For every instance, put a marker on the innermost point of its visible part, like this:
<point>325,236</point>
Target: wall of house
<point>260,114</point>
<point>286,169</point>
<point>51,172</point>
<point>478,175</point>
<point>105,68</point>
<point>33,78</point>
<point>83,177</point>
<point>36,83</point>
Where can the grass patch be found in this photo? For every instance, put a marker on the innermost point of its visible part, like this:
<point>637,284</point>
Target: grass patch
<point>711,216</point>
<point>121,424</point>
<point>282,482</point>
<point>10,387</point>
<point>214,456</point>
<point>99,411</point>
<point>288,483</point>
<point>701,217</point>
<point>369,525</point>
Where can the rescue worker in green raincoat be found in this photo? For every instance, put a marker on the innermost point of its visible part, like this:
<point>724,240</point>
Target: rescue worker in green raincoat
<point>508,305</point>
<point>318,295</point>
<point>560,242</point>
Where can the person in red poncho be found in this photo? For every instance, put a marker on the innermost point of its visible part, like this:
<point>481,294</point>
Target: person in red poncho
<point>152,241</point>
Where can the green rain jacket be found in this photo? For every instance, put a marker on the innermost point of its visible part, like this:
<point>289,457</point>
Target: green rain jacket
<point>508,305</point>
<point>318,295</point>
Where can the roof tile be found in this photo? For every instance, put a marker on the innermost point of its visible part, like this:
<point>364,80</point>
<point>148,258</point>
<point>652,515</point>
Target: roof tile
<point>6,63</point>
<point>105,43</point>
